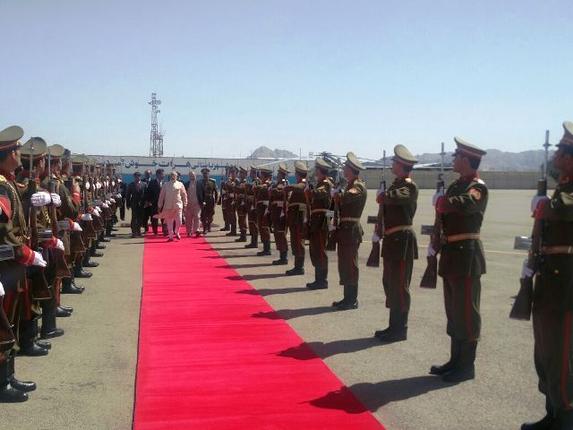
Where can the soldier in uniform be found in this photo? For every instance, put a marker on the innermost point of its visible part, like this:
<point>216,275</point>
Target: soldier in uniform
<point>297,217</point>
<point>552,263</point>
<point>15,256</point>
<point>462,261</point>
<point>262,192</point>
<point>241,204</point>
<point>229,203</point>
<point>278,215</point>
<point>399,246</point>
<point>207,196</point>
<point>320,201</point>
<point>251,208</point>
<point>350,203</point>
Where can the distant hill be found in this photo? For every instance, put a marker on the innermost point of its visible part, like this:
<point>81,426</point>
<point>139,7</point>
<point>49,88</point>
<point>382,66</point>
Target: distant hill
<point>265,152</point>
<point>526,161</point>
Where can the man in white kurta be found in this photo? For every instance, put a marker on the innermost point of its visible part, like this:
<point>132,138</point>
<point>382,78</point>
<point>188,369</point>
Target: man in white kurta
<point>172,201</point>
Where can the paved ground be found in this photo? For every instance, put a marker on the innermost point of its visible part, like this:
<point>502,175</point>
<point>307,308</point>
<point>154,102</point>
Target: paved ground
<point>87,382</point>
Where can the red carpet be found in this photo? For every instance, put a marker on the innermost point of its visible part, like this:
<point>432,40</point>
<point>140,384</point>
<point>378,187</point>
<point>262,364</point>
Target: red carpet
<point>205,362</point>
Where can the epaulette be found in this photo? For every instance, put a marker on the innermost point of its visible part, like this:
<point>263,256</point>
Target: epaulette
<point>480,181</point>
<point>408,180</point>
<point>2,179</point>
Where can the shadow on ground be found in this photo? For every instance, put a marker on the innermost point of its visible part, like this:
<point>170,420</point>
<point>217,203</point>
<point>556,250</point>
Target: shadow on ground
<point>308,351</point>
<point>272,291</point>
<point>287,314</point>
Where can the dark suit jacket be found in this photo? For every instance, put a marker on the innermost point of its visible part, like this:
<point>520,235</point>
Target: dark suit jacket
<point>152,193</point>
<point>135,197</point>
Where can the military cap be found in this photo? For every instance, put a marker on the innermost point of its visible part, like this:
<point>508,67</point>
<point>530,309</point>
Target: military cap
<point>56,151</point>
<point>137,174</point>
<point>404,156</point>
<point>300,167</point>
<point>80,159</point>
<point>232,169</point>
<point>468,149</point>
<point>253,167</point>
<point>35,147</point>
<point>205,170</point>
<point>242,169</point>
<point>353,162</point>
<point>265,169</point>
<point>9,137</point>
<point>567,139</point>
<point>322,164</point>
<point>283,168</point>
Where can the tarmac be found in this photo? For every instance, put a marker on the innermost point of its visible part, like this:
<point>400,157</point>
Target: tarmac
<point>87,381</point>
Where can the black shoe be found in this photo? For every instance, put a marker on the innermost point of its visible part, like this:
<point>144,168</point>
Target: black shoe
<point>252,245</point>
<point>440,370</point>
<point>81,273</point>
<point>9,394</point>
<point>345,306</point>
<point>33,351</point>
<point>295,271</point>
<point>100,246</point>
<point>67,308</point>
<point>105,239</point>
<point>225,229</point>
<point>544,424</point>
<point>91,263</point>
<point>263,253</point>
<point>96,254</point>
<point>72,289</point>
<point>232,233</point>
<point>62,313</point>
<point>242,238</point>
<point>24,386</point>
<point>52,334</point>
<point>280,262</point>
<point>391,336</point>
<point>317,285</point>
<point>460,374</point>
<point>198,234</point>
<point>44,344</point>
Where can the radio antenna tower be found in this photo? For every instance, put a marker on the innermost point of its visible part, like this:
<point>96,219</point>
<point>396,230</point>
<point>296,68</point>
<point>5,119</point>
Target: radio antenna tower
<point>155,136</point>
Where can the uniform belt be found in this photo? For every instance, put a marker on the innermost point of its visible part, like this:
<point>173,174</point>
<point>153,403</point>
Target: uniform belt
<point>231,195</point>
<point>251,198</point>
<point>263,202</point>
<point>396,229</point>
<point>462,236</point>
<point>301,206</point>
<point>349,219</point>
<point>319,211</point>
<point>278,203</point>
<point>558,249</point>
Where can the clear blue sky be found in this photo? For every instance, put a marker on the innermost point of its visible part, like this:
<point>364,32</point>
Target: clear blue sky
<point>310,74</point>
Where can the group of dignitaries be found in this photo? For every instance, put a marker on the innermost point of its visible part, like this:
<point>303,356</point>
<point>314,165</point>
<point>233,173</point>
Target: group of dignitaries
<point>55,211</point>
<point>327,212</point>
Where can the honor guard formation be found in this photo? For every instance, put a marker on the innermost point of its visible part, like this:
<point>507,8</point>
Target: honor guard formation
<point>57,209</point>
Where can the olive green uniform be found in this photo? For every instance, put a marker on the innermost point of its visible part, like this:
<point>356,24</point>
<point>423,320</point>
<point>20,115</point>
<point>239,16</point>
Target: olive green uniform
<point>277,203</point>
<point>349,236</point>
<point>263,214</point>
<point>242,206</point>
<point>297,219</point>
<point>399,248</point>
<point>320,201</point>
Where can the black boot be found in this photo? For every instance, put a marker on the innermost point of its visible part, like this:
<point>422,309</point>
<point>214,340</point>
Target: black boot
<point>298,268</point>
<point>233,231</point>
<point>283,259</point>
<point>397,330</point>
<point>24,386</point>
<point>27,339</point>
<point>102,238</point>
<point>320,282</point>
<point>67,308</point>
<point>98,245</point>
<point>93,250</point>
<point>266,249</point>
<point>226,228</point>
<point>49,329</point>
<point>546,423</point>
<point>454,357</point>
<point>9,394</point>
<point>350,300</point>
<point>44,344</point>
<point>86,262</point>
<point>79,271</point>
<point>62,313</point>
<point>69,287</point>
<point>242,238</point>
<point>254,242</point>
<point>464,370</point>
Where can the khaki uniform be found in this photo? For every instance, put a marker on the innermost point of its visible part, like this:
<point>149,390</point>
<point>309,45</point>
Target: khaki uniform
<point>242,206</point>
<point>277,203</point>
<point>297,219</point>
<point>262,207</point>
<point>320,202</point>
<point>251,209</point>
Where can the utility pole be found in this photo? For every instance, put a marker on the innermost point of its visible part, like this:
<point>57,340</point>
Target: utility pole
<point>155,136</point>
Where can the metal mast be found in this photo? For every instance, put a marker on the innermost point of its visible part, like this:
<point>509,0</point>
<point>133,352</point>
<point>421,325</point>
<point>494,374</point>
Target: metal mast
<point>155,136</point>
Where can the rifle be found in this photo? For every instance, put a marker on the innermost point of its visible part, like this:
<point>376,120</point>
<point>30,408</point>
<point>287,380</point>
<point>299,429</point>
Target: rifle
<point>522,306</point>
<point>374,257</point>
<point>339,182</point>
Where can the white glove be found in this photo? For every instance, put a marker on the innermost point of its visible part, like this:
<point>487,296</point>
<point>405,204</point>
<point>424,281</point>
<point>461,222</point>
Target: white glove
<point>76,227</point>
<point>431,251</point>
<point>87,186</point>
<point>105,206</point>
<point>56,200</point>
<point>375,237</point>
<point>535,202</point>
<point>41,198</point>
<point>118,196</point>
<point>334,191</point>
<point>331,227</point>
<point>98,185</point>
<point>86,217</point>
<point>526,271</point>
<point>436,196</point>
<point>59,245</point>
<point>97,211</point>
<point>113,183</point>
<point>39,260</point>
<point>112,200</point>
<point>2,290</point>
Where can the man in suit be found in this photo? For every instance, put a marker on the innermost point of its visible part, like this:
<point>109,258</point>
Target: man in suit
<point>151,199</point>
<point>135,201</point>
